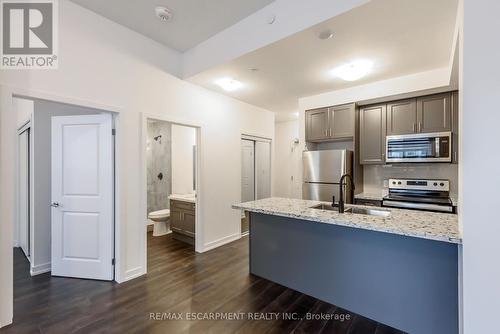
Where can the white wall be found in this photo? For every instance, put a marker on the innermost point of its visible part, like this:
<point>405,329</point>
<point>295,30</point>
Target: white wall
<point>288,157</point>
<point>24,109</point>
<point>103,64</point>
<point>183,140</point>
<point>480,181</point>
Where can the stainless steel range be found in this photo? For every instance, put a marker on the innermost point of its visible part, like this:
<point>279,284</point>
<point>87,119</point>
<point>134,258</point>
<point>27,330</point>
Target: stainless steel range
<point>421,194</point>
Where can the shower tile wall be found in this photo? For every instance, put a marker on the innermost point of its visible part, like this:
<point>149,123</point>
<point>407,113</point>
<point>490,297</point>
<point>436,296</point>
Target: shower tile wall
<point>159,161</point>
<point>374,175</point>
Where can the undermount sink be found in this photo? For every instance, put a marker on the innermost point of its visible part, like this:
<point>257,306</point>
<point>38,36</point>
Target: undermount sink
<point>359,211</point>
<point>327,207</point>
<point>369,212</point>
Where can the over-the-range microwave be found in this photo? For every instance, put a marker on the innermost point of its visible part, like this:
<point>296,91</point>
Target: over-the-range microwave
<point>419,147</point>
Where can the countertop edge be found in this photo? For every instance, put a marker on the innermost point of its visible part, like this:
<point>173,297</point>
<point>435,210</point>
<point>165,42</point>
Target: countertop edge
<point>457,241</point>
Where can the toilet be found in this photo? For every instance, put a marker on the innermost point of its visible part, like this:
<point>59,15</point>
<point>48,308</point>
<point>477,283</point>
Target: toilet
<point>160,219</point>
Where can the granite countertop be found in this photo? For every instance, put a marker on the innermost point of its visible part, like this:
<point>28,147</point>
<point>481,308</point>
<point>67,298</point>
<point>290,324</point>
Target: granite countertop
<point>191,198</point>
<point>419,224</point>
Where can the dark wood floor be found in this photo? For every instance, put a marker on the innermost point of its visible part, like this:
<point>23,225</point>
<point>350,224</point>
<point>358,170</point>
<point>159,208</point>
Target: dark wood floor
<point>179,281</point>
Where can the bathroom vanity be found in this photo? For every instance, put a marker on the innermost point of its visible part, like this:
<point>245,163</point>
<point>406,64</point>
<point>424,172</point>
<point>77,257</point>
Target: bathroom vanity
<point>183,218</point>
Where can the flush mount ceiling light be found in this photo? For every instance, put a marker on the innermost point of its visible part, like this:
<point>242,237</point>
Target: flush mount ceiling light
<point>228,84</point>
<point>354,70</point>
<point>163,13</point>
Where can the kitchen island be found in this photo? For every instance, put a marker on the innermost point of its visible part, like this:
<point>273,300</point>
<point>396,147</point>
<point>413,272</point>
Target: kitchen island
<point>401,270</point>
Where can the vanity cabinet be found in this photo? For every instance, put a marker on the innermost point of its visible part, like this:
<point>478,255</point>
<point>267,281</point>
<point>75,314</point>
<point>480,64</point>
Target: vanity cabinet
<point>372,132</point>
<point>332,123</point>
<point>182,220</point>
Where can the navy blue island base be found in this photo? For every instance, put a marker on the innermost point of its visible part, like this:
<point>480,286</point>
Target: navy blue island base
<point>405,282</point>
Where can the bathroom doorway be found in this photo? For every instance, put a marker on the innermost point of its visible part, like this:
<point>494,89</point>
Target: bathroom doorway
<point>171,199</point>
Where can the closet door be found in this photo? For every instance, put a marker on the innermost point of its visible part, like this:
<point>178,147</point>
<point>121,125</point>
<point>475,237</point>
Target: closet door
<point>262,169</point>
<point>24,192</point>
<point>247,170</point>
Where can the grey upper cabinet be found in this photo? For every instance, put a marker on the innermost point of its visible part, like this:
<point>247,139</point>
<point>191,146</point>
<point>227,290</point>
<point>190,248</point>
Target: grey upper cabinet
<point>454,126</point>
<point>332,123</point>
<point>434,113</point>
<point>402,117</point>
<point>342,121</point>
<point>317,127</point>
<point>372,132</point>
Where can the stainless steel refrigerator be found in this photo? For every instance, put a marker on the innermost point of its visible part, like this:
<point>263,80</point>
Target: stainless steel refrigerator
<point>322,172</point>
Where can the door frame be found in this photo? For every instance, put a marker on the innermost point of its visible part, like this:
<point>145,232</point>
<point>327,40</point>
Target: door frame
<point>199,236</point>
<point>27,126</point>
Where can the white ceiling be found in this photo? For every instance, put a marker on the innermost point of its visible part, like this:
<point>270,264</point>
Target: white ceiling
<point>193,20</point>
<point>400,36</point>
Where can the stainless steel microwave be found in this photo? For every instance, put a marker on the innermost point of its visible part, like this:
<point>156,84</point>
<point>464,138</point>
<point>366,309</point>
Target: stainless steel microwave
<point>419,147</point>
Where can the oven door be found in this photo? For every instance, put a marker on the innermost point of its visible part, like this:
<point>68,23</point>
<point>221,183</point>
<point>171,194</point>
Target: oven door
<point>422,147</point>
<point>417,206</point>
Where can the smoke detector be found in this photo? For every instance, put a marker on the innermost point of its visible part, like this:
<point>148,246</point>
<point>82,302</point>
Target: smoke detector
<point>163,13</point>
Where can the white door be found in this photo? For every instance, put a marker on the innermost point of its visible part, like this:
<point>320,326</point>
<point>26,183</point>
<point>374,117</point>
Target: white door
<point>247,170</point>
<point>24,192</point>
<point>262,169</point>
<point>82,197</point>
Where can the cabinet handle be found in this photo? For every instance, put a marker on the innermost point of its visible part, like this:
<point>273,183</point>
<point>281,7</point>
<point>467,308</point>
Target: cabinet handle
<point>414,127</point>
<point>419,126</point>
<point>330,132</point>
<point>455,156</point>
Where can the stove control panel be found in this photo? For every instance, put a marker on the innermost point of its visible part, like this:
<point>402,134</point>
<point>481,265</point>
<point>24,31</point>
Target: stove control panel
<point>419,184</point>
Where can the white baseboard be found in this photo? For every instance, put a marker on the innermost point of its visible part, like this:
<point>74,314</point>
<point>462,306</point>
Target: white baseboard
<point>133,273</point>
<point>40,269</point>
<point>220,242</point>
<point>6,323</point>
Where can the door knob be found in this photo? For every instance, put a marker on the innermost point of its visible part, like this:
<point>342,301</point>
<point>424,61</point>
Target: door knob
<point>54,205</point>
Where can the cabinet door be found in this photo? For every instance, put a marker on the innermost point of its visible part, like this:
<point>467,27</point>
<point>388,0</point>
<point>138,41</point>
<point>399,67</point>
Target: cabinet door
<point>342,121</point>
<point>189,222</point>
<point>402,117</point>
<point>434,113</point>
<point>372,132</point>
<point>176,222</point>
<point>454,126</point>
<point>317,124</point>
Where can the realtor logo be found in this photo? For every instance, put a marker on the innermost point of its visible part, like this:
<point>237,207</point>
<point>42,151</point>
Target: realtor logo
<point>29,34</point>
